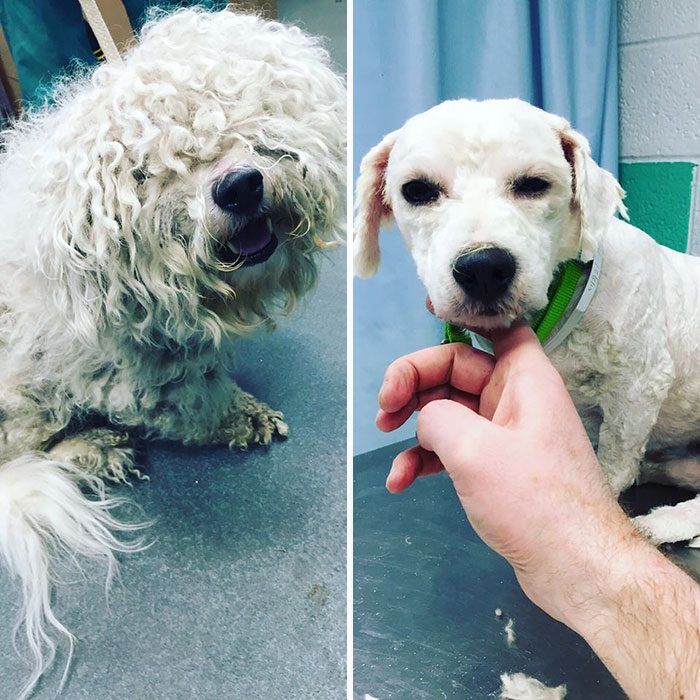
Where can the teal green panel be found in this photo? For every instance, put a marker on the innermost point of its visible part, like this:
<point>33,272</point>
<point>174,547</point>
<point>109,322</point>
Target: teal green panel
<point>48,37</point>
<point>659,200</point>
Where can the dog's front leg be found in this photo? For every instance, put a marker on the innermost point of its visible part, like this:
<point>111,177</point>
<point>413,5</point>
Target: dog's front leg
<point>630,408</point>
<point>222,414</point>
<point>247,422</point>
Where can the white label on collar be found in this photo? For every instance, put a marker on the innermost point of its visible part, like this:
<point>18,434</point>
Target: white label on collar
<point>562,332</point>
<point>481,343</point>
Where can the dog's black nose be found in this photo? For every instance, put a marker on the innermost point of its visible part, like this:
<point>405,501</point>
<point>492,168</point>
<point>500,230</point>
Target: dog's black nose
<point>239,191</point>
<point>485,274</point>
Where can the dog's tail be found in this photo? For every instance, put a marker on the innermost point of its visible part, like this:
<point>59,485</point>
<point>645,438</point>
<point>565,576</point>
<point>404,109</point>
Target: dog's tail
<point>52,511</point>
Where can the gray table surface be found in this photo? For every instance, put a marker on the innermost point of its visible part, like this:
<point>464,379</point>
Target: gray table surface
<point>243,593</point>
<point>425,593</point>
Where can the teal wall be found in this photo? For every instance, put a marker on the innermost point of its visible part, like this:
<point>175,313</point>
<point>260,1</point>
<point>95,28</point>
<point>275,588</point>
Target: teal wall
<point>327,18</point>
<point>659,200</point>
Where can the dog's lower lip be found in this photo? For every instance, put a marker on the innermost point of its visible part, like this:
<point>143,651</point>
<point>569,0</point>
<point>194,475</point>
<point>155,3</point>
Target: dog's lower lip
<point>229,256</point>
<point>252,245</point>
<point>261,255</point>
<point>252,238</point>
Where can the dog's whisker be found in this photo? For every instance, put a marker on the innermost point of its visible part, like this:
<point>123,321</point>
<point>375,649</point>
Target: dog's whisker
<point>278,161</point>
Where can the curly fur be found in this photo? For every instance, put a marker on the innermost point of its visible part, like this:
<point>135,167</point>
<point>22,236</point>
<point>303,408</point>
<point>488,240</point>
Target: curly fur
<point>114,299</point>
<point>631,365</point>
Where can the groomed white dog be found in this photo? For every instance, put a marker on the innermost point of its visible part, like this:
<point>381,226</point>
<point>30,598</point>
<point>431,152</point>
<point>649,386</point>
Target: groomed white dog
<point>492,198</point>
<point>168,204</point>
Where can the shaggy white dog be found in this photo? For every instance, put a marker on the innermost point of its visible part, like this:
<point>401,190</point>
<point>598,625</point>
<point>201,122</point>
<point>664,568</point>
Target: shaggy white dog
<point>491,197</point>
<point>168,204</point>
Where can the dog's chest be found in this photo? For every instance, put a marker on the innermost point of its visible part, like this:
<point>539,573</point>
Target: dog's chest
<point>584,365</point>
<point>602,369</point>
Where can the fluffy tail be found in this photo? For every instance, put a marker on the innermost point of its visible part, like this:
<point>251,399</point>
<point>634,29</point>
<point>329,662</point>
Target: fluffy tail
<point>49,512</point>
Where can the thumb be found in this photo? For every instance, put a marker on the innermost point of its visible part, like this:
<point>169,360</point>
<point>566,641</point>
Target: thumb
<point>453,431</point>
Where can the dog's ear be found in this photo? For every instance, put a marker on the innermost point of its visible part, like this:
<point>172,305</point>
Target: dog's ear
<point>597,195</point>
<point>373,206</point>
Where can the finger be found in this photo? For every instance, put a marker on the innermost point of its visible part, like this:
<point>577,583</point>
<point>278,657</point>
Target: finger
<point>518,345</point>
<point>519,354</point>
<point>386,422</point>
<point>455,364</point>
<point>410,465</point>
<point>491,396</point>
<point>525,388</point>
<point>453,432</point>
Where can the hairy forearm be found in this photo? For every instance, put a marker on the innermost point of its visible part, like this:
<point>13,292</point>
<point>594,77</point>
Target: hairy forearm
<point>645,625</point>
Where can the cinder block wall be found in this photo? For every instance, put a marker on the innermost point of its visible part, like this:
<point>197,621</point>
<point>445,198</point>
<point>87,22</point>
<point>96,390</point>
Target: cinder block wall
<point>659,43</point>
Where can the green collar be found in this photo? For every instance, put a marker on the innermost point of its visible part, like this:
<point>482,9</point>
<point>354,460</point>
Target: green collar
<point>553,323</point>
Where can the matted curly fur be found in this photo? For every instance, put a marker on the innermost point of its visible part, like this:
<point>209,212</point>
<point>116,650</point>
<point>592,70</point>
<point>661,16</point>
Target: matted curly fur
<point>122,281</point>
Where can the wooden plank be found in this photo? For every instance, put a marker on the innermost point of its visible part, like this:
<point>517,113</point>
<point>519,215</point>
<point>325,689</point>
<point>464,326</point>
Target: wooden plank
<point>266,8</point>
<point>8,75</point>
<point>117,21</point>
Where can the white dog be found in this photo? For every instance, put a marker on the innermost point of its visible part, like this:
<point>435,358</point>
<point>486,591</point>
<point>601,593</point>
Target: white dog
<point>167,204</point>
<point>491,198</point>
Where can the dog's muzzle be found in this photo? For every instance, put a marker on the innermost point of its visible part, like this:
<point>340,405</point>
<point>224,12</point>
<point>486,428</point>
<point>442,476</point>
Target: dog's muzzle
<point>484,274</point>
<point>240,193</point>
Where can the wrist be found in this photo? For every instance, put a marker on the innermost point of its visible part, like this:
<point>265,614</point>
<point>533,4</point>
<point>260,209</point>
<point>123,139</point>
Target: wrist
<point>611,580</point>
<point>644,622</point>
<point>587,566</point>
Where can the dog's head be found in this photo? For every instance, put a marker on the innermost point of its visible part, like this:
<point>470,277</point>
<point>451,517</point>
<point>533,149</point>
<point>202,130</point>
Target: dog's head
<point>490,198</point>
<point>189,187</point>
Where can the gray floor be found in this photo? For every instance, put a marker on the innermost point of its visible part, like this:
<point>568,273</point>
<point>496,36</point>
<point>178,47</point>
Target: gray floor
<point>426,589</point>
<point>243,593</point>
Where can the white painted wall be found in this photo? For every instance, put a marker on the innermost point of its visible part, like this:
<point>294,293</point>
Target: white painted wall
<point>659,92</point>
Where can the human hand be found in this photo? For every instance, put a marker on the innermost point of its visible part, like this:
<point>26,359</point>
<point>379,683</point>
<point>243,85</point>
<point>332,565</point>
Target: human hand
<point>521,463</point>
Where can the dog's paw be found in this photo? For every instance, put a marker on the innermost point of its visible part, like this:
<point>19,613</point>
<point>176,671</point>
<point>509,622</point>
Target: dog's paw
<point>102,452</point>
<point>669,524</point>
<point>253,423</point>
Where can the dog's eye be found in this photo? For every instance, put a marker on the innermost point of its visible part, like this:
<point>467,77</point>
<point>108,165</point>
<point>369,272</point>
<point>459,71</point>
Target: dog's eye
<point>420,191</point>
<point>529,186</point>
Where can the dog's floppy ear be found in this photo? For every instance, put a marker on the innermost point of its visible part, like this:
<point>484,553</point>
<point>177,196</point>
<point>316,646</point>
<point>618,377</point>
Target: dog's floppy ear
<point>596,193</point>
<point>373,207</point>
